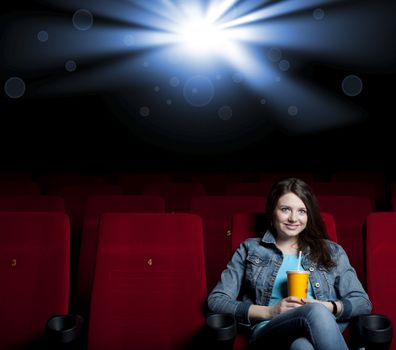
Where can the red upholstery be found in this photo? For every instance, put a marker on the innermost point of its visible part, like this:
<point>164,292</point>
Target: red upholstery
<point>350,214</point>
<point>217,212</point>
<point>34,270</point>
<point>32,203</point>
<point>375,179</point>
<point>97,205</point>
<point>380,264</point>
<point>149,287</point>
<point>338,188</point>
<point>177,194</point>
<point>245,225</point>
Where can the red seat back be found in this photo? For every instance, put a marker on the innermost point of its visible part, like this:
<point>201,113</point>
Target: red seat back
<point>350,213</point>
<point>177,195</point>
<point>97,205</point>
<point>216,213</point>
<point>380,265</point>
<point>149,287</point>
<point>35,272</point>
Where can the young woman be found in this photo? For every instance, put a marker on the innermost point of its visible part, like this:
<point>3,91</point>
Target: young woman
<point>253,287</point>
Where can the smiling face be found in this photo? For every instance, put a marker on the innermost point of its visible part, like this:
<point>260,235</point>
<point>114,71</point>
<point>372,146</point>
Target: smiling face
<point>290,216</point>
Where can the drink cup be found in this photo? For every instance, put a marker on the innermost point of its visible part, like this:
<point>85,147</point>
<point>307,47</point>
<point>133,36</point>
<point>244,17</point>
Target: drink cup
<point>297,283</point>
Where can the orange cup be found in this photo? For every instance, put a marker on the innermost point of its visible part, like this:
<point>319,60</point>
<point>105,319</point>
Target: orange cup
<point>297,283</point>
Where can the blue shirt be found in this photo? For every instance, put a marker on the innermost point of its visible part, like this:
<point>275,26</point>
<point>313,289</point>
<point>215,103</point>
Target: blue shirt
<point>279,291</point>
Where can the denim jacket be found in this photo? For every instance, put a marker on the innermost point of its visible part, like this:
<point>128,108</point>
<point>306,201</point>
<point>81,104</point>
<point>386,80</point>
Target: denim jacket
<point>249,278</point>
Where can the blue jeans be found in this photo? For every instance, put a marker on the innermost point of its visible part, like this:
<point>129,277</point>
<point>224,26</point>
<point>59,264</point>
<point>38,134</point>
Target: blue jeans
<point>308,327</point>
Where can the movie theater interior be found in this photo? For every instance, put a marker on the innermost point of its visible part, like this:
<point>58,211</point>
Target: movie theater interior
<point>140,141</point>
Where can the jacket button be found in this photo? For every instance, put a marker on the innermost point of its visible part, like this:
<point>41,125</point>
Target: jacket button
<point>317,284</point>
<point>311,269</point>
<point>257,260</point>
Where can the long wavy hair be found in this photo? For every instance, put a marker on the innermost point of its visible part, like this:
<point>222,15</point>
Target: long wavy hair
<point>313,238</point>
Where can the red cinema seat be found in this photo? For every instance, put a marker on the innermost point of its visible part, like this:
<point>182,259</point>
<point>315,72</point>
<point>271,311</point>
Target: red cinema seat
<point>374,179</point>
<point>346,189</point>
<point>380,264</point>
<point>177,195</point>
<point>97,205</point>
<point>34,270</point>
<point>149,287</point>
<point>350,213</point>
<point>216,213</point>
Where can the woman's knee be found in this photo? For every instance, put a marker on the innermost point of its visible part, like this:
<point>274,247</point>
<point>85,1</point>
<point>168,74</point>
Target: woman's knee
<point>318,311</point>
<point>301,344</point>
<point>318,314</point>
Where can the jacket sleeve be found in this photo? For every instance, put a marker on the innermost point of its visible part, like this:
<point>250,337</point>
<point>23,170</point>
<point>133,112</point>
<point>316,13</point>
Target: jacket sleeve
<point>224,296</point>
<point>349,289</point>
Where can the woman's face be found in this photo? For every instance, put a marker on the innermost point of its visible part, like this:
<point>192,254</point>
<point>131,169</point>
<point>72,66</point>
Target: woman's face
<point>290,216</point>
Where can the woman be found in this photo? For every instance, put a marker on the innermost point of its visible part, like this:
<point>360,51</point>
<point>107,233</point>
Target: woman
<point>253,287</point>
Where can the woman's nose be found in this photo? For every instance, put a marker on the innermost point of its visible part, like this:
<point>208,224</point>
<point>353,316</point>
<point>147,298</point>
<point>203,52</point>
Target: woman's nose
<point>292,217</point>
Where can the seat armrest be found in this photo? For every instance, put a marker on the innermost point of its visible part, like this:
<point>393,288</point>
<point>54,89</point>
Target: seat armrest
<point>221,330</point>
<point>64,332</point>
<point>371,331</point>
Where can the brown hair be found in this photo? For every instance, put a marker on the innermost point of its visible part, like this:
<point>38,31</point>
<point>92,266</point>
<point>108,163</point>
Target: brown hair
<point>313,238</point>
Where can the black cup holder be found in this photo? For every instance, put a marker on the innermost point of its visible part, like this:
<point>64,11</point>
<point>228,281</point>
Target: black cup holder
<point>372,331</point>
<point>221,327</point>
<point>64,329</point>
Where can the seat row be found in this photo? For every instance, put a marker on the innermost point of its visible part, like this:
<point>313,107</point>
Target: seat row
<point>149,286</point>
<point>216,211</point>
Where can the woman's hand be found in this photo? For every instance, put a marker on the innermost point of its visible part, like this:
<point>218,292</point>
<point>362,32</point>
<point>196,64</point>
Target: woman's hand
<point>328,305</point>
<point>260,312</point>
<point>286,304</point>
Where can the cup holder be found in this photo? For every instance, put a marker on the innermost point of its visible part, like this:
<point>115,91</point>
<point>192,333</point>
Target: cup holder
<point>221,327</point>
<point>372,331</point>
<point>64,329</point>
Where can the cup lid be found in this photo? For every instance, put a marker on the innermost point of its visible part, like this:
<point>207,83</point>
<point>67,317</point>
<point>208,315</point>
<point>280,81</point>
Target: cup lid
<point>297,271</point>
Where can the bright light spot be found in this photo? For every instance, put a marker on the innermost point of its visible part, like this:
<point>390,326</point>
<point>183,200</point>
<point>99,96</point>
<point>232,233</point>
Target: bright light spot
<point>201,37</point>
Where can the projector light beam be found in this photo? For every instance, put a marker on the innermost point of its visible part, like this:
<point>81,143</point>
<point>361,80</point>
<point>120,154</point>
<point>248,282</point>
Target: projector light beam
<point>162,41</point>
